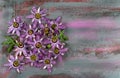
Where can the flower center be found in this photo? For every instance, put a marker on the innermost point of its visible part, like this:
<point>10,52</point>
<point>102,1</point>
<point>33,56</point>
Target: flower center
<point>16,63</point>
<point>46,30</point>
<point>48,46</point>
<point>56,51</point>
<point>53,26</point>
<point>54,39</point>
<point>33,57</point>
<point>37,15</point>
<point>30,32</point>
<point>47,61</point>
<point>15,24</point>
<point>20,45</point>
<point>38,45</point>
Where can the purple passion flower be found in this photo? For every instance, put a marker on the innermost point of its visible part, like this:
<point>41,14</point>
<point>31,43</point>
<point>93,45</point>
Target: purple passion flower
<point>47,62</point>
<point>39,44</point>
<point>20,48</point>
<point>55,42</point>
<point>29,33</point>
<point>37,14</point>
<point>33,58</point>
<point>15,26</point>
<point>15,63</point>
<point>56,24</point>
<point>45,29</point>
<point>58,51</point>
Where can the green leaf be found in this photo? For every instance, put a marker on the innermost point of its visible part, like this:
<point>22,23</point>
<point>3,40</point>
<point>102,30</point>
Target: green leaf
<point>62,37</point>
<point>10,48</point>
<point>5,43</point>
<point>10,42</point>
<point>65,38</point>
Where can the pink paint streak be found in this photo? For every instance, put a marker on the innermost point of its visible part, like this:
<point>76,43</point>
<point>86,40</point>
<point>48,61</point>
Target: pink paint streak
<point>76,0</point>
<point>102,49</point>
<point>92,23</point>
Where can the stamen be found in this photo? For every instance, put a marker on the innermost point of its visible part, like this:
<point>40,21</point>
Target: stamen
<point>20,45</point>
<point>15,24</point>
<point>56,51</point>
<point>54,39</point>
<point>46,30</point>
<point>47,61</point>
<point>33,57</point>
<point>38,45</point>
<point>16,63</point>
<point>37,15</point>
<point>53,26</point>
<point>30,32</point>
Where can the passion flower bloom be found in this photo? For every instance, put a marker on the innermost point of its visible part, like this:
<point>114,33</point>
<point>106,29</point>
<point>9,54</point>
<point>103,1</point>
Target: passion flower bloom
<point>15,26</point>
<point>53,41</point>
<point>45,29</point>
<point>37,14</point>
<point>37,44</point>
<point>58,51</point>
<point>15,63</point>
<point>56,24</point>
<point>33,58</point>
<point>47,62</point>
<point>20,49</point>
<point>30,32</point>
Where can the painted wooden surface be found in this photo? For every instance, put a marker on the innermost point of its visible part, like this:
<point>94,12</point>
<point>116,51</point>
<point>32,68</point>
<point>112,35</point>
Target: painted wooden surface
<point>92,24</point>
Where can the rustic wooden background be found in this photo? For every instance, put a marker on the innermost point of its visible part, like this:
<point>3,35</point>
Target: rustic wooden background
<point>92,26</point>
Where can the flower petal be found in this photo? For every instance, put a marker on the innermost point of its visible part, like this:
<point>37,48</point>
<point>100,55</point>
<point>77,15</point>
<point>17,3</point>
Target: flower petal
<point>41,26</point>
<point>60,58</point>
<point>34,25</point>
<point>49,70</point>
<point>33,19</point>
<point>18,33</point>
<point>64,50</point>
<point>33,11</point>
<point>30,16</point>
<point>10,29</point>
<point>18,70</point>
<point>61,27</point>
<point>44,14</point>
<point>12,57</point>
<point>43,11</point>
<point>10,60</point>
<point>45,67</point>
<point>53,62</point>
<point>10,67</point>
<point>39,21</point>
<point>14,20</point>
<point>18,19</point>
<point>38,11</point>
<point>58,19</point>
<point>13,32</point>
<point>31,64</point>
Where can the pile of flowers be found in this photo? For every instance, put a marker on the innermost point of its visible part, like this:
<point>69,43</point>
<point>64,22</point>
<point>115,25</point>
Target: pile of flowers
<point>41,43</point>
